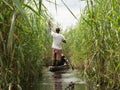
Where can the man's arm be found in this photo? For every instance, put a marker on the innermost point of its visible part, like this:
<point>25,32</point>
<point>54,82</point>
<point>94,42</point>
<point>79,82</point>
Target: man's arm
<point>50,26</point>
<point>63,39</point>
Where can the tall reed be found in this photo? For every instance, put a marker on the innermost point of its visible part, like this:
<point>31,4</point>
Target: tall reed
<point>95,42</point>
<point>23,41</point>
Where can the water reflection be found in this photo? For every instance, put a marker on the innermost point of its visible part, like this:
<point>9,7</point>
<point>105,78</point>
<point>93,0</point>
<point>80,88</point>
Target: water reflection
<point>57,81</point>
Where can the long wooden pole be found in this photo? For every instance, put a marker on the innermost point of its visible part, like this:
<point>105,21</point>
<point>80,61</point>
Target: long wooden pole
<point>70,64</point>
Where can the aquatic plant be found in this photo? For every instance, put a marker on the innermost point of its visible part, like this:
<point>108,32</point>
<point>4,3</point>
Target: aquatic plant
<point>23,41</point>
<point>94,43</point>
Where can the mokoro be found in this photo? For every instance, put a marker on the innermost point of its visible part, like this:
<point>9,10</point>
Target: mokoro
<point>58,68</point>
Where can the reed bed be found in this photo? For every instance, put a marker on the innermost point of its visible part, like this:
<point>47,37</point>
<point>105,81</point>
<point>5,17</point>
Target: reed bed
<point>94,44</point>
<point>24,42</point>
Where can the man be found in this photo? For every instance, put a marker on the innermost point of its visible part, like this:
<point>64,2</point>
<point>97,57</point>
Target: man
<point>56,45</point>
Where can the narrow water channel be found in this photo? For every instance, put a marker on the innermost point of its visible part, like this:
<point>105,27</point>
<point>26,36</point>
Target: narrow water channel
<point>59,81</point>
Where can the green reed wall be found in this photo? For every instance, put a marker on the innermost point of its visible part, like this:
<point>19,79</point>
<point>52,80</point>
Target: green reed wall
<point>94,44</point>
<point>24,41</point>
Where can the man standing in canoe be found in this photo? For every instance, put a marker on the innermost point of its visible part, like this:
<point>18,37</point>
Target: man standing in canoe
<point>56,45</point>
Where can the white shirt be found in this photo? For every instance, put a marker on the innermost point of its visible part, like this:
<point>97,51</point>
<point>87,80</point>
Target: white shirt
<point>57,40</point>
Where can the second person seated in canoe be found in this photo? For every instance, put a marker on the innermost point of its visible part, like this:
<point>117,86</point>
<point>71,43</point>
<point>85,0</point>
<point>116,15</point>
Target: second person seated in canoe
<point>62,61</point>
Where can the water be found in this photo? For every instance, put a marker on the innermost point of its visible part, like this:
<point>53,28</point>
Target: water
<point>59,81</point>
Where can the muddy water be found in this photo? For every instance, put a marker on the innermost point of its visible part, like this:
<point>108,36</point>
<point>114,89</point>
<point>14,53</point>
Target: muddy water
<point>60,81</point>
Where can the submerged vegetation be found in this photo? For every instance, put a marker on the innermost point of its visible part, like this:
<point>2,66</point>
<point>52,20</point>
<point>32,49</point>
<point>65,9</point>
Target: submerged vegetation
<point>93,44</point>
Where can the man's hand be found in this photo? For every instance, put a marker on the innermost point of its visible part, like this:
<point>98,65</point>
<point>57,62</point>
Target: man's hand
<point>64,41</point>
<point>50,25</point>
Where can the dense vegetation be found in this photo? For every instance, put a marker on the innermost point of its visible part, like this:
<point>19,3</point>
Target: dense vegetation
<point>94,44</point>
<point>24,41</point>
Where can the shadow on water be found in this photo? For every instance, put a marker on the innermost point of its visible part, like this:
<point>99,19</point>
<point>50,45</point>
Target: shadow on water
<point>59,81</point>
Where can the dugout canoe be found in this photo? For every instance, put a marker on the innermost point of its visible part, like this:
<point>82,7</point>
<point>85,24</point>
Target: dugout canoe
<point>58,68</point>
